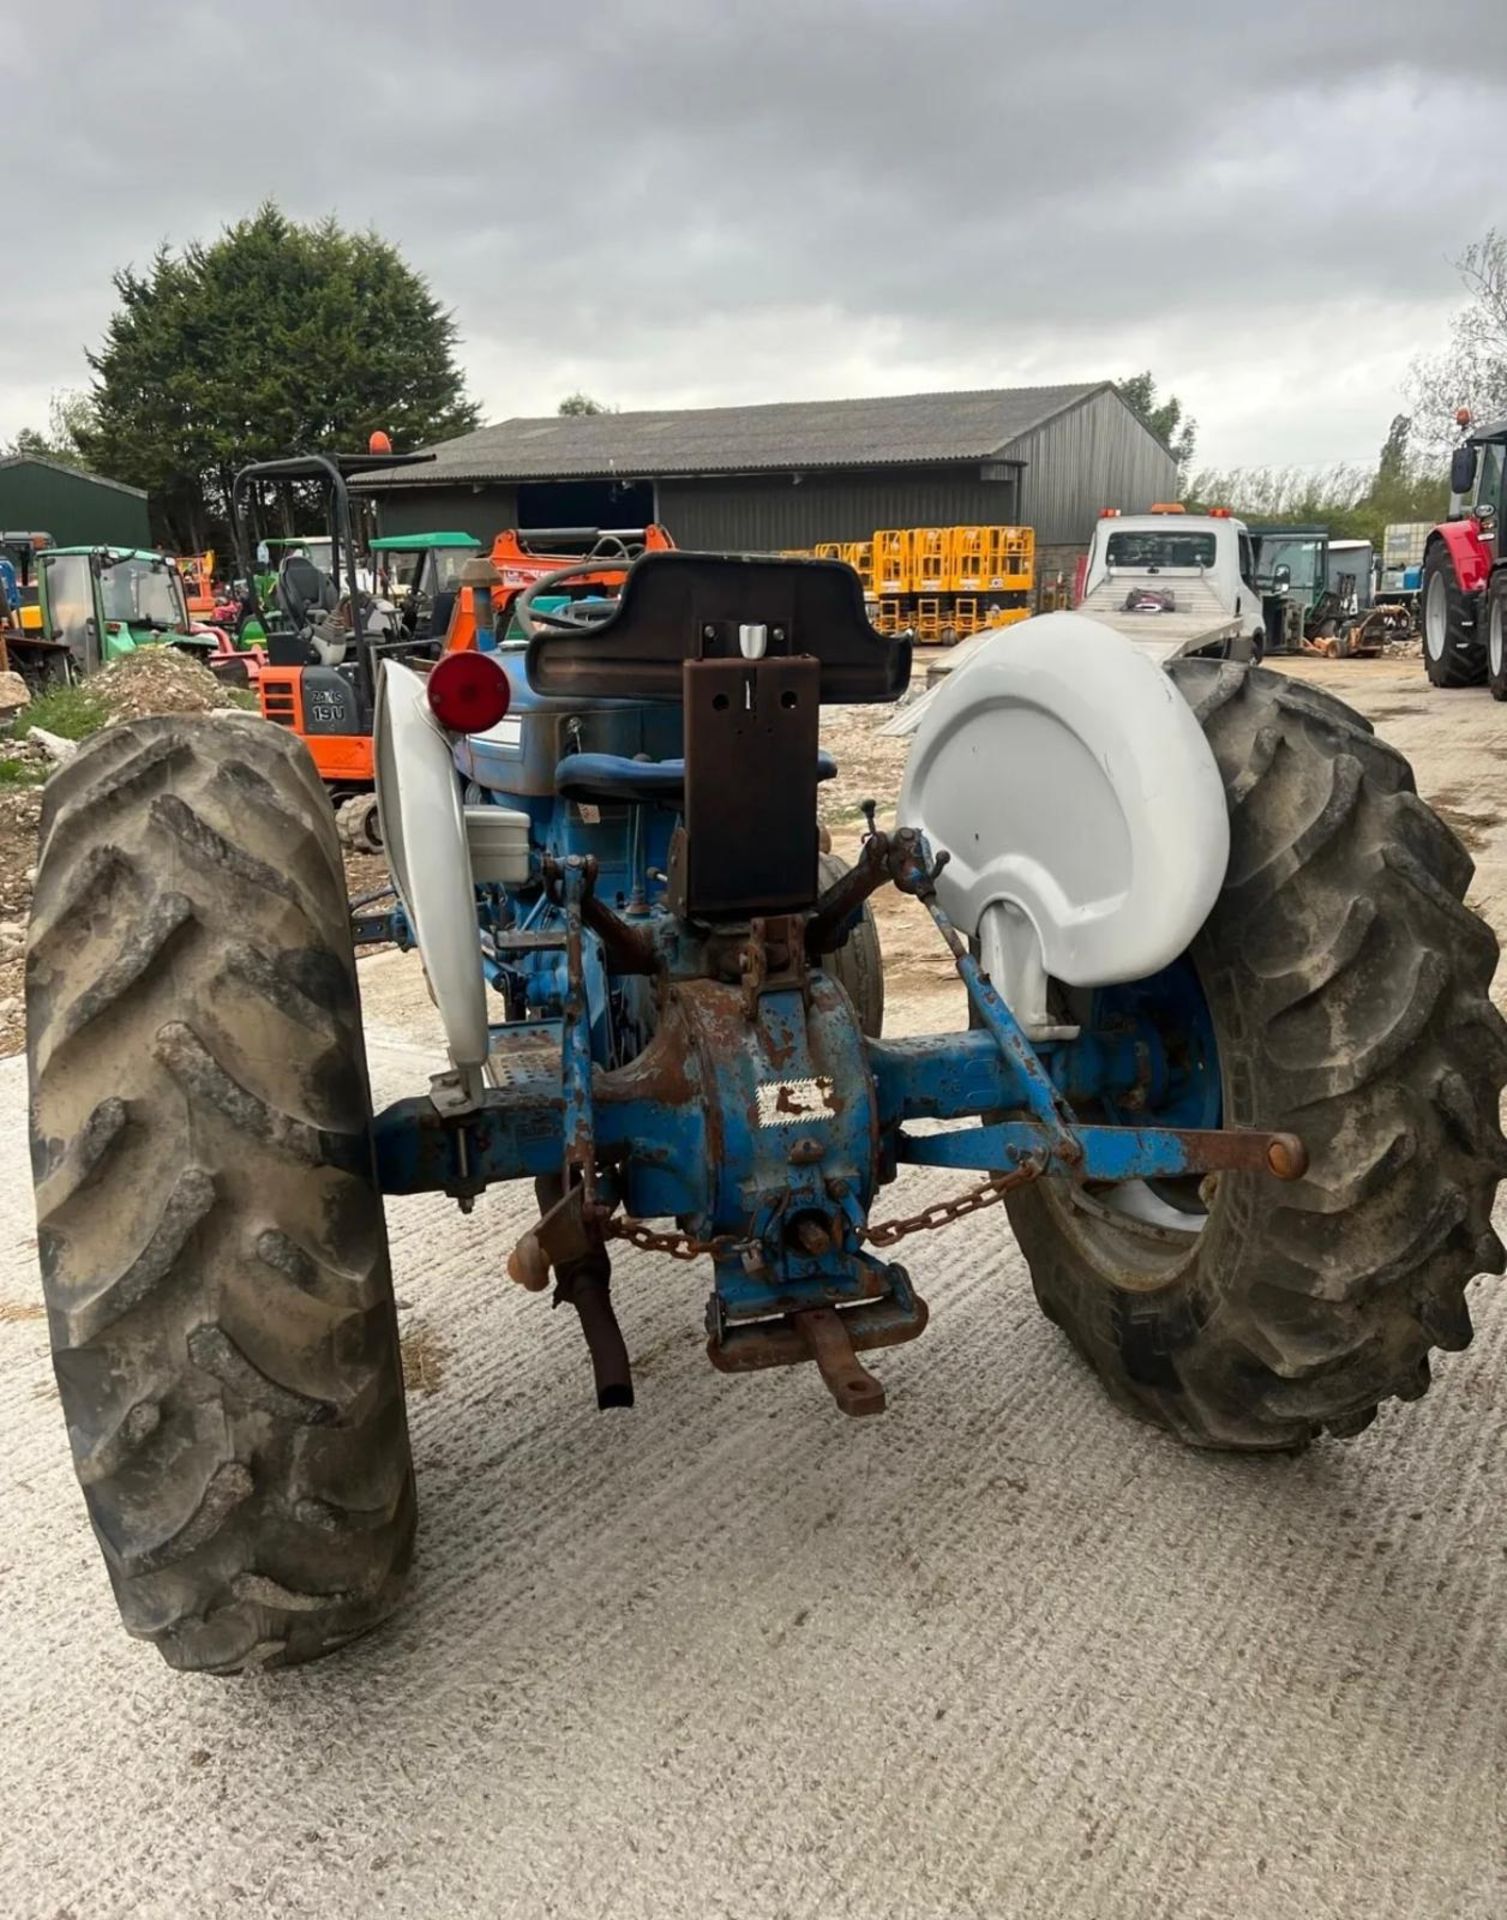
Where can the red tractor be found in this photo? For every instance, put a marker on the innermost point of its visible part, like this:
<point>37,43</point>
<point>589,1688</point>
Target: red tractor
<point>1464,584</point>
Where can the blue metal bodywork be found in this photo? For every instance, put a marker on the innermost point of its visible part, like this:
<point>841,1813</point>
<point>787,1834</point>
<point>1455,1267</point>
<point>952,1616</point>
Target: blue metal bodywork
<point>752,1112</point>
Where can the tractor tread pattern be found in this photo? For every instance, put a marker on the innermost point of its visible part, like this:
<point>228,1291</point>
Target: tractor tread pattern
<point>1355,985</point>
<point>1463,663</point>
<point>213,1251</point>
<point>858,964</point>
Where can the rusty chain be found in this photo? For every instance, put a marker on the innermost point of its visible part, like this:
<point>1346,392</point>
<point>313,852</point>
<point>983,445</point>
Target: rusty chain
<point>679,1246</point>
<point>941,1213</point>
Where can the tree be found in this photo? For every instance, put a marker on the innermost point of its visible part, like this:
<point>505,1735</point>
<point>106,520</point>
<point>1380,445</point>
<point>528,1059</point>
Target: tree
<point>274,338</point>
<point>576,404</point>
<point>1392,463</point>
<point>1472,370</point>
<point>68,415</point>
<point>1352,501</point>
<point>1176,430</point>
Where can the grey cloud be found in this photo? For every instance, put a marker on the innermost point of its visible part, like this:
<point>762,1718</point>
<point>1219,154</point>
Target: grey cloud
<point>686,199</point>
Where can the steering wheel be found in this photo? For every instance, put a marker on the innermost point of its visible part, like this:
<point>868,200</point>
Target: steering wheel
<point>577,616</point>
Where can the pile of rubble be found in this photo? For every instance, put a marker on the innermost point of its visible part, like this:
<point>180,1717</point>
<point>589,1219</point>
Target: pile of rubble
<point>152,680</point>
<point>156,680</point>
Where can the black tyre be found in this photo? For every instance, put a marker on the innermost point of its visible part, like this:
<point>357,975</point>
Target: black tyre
<point>1453,652</point>
<point>1496,635</point>
<point>1346,986</point>
<point>213,1250</point>
<point>858,965</point>
<point>357,825</point>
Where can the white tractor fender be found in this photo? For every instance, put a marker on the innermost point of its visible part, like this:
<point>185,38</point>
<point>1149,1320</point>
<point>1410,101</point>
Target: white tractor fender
<point>424,833</point>
<point>1081,806</point>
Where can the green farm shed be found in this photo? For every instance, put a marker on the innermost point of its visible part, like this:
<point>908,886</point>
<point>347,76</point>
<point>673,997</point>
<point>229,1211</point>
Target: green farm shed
<point>78,509</point>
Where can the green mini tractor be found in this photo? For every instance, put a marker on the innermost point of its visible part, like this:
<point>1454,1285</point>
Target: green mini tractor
<point>101,603</point>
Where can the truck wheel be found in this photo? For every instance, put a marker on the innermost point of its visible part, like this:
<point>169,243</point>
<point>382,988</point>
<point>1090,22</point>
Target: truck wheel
<point>858,965</point>
<point>1496,637</point>
<point>1339,989</point>
<point>213,1250</point>
<point>1452,651</point>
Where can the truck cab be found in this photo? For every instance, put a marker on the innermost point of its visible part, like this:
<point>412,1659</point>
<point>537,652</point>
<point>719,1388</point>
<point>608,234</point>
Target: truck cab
<point>1176,582</point>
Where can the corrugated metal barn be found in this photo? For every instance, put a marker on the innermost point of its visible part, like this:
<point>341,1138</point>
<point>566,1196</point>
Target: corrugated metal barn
<point>78,509</point>
<point>789,475</point>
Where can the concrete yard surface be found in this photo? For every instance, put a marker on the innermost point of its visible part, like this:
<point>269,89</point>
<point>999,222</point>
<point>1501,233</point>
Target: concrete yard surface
<point>1003,1652</point>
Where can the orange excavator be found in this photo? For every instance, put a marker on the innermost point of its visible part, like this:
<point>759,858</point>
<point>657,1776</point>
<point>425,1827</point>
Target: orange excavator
<point>328,633</point>
<point>521,560</point>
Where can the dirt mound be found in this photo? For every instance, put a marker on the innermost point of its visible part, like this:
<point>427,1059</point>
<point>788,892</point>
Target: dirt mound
<point>157,680</point>
<point>20,811</point>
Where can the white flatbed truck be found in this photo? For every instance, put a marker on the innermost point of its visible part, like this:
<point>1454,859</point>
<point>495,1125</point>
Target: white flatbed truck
<point>1171,582</point>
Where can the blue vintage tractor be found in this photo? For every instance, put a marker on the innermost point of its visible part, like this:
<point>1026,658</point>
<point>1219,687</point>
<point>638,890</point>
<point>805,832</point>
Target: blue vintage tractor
<point>1230,1062</point>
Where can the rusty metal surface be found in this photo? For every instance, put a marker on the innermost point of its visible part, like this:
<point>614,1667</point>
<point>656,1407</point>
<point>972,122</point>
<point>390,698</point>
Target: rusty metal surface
<point>900,857</point>
<point>751,733</point>
<point>570,1238</point>
<point>852,1386</point>
<point>753,1345</point>
<point>1111,1154</point>
<point>942,1213</point>
<point>626,949</point>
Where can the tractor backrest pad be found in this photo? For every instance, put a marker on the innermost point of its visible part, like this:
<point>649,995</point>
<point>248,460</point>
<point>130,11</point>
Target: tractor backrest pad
<point>678,607</point>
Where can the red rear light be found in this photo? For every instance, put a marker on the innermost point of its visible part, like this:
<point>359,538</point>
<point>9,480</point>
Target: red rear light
<point>1109,513</point>
<point>1221,513</point>
<point>468,692</point>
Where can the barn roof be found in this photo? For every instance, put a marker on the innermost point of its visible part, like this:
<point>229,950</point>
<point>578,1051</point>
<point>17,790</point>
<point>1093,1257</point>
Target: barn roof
<point>63,466</point>
<point>912,429</point>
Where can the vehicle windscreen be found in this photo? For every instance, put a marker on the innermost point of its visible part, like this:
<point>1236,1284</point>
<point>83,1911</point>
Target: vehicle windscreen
<point>1302,558</point>
<point>1160,549</point>
<point>402,572</point>
<point>142,593</point>
<point>70,601</point>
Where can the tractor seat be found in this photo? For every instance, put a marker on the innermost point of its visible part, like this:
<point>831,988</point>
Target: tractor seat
<point>593,777</point>
<point>303,589</point>
<point>613,776</point>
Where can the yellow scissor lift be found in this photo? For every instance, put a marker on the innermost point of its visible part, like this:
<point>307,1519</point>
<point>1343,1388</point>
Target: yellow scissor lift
<point>944,583</point>
<point>939,583</point>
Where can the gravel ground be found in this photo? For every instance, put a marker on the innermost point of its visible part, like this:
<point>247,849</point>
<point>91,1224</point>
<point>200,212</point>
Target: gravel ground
<point>1003,1652</point>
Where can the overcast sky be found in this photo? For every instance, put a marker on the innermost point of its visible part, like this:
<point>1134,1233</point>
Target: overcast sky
<point>695,203</point>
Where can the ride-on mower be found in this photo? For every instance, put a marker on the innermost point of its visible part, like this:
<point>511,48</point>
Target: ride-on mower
<point>1231,1063</point>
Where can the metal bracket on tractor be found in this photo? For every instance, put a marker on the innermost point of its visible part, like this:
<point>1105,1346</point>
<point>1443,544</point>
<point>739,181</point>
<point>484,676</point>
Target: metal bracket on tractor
<point>681,1048</point>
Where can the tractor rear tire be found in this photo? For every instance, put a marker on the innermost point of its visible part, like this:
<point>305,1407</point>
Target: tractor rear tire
<point>858,965</point>
<point>213,1249</point>
<point>1348,989</point>
<point>1496,635</point>
<point>1453,653</point>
